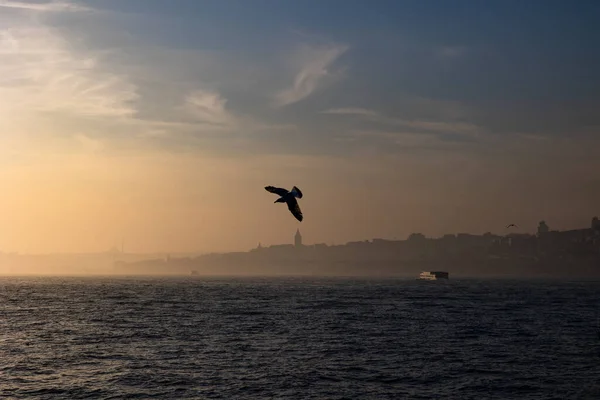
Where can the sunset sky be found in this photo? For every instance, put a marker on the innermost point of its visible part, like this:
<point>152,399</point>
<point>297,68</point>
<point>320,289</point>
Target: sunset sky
<point>160,122</point>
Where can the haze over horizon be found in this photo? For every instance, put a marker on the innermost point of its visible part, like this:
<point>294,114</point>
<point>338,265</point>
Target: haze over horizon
<point>161,122</point>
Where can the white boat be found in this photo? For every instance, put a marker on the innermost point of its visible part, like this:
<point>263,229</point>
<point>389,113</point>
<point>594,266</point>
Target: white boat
<point>433,275</point>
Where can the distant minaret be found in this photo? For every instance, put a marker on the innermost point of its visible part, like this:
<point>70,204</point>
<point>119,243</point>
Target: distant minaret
<point>298,239</point>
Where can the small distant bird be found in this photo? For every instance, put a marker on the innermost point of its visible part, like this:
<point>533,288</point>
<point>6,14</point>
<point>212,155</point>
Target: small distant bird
<point>509,225</point>
<point>288,197</point>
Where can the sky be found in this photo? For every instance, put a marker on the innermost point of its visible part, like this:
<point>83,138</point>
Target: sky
<point>158,123</point>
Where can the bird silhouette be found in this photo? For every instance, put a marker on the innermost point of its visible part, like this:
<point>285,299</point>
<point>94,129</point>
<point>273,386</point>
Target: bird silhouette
<point>288,197</point>
<point>509,225</point>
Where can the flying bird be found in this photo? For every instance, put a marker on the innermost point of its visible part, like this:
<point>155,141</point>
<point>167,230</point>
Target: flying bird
<point>509,225</point>
<point>288,197</point>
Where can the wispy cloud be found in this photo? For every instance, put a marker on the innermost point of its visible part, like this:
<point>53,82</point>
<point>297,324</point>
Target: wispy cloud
<point>444,127</point>
<point>401,139</point>
<point>49,6</point>
<point>313,68</point>
<point>209,112</point>
<point>208,107</point>
<point>352,111</point>
<point>454,127</point>
<point>451,51</point>
<point>41,71</point>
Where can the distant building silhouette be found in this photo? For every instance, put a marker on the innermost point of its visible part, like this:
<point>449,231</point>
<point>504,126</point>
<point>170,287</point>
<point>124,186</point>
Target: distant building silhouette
<point>416,236</point>
<point>570,253</point>
<point>543,228</point>
<point>596,224</point>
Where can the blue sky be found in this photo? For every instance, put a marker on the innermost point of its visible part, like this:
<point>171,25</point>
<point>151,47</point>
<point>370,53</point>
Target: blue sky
<point>426,99</point>
<point>499,59</point>
<point>505,66</point>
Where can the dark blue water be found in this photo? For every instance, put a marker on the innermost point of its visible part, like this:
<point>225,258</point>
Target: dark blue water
<point>298,338</point>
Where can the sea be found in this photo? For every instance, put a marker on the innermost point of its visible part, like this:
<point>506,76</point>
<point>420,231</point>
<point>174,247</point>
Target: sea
<point>298,338</point>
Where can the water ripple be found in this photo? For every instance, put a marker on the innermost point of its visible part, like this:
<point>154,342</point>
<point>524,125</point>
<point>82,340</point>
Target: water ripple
<point>298,338</point>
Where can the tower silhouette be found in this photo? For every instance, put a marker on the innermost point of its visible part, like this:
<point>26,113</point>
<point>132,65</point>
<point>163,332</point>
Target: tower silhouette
<point>298,239</point>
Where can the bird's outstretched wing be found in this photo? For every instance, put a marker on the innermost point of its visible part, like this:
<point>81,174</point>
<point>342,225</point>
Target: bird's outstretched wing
<point>509,225</point>
<point>297,192</point>
<point>294,209</point>
<point>276,190</point>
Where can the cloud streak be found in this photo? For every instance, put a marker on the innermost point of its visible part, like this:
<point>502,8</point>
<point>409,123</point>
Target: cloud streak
<point>50,6</point>
<point>452,51</point>
<point>454,127</point>
<point>363,112</point>
<point>314,63</point>
<point>41,72</point>
<point>208,107</point>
